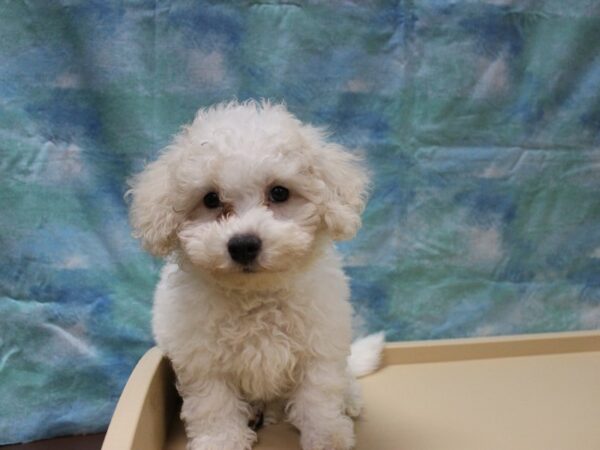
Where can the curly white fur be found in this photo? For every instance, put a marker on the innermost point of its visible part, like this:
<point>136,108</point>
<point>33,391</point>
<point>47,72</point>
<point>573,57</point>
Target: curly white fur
<point>274,334</point>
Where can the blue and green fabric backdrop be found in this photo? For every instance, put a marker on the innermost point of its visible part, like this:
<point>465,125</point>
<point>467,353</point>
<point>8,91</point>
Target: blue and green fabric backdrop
<point>480,120</point>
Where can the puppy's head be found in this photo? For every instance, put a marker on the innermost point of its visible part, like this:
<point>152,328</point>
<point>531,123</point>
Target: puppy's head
<point>247,189</point>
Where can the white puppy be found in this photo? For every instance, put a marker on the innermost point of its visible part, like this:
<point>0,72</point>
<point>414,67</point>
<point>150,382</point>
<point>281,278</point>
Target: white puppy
<point>252,306</point>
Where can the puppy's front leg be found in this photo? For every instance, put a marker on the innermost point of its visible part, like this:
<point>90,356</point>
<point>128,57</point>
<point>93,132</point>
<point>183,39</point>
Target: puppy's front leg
<point>215,418</point>
<point>317,408</point>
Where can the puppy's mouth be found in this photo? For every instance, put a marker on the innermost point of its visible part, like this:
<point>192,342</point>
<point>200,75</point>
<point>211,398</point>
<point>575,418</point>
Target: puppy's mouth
<point>255,268</point>
<point>249,269</point>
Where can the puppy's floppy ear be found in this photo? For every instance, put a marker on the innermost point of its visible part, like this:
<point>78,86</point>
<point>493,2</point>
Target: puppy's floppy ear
<point>152,216</point>
<point>346,182</point>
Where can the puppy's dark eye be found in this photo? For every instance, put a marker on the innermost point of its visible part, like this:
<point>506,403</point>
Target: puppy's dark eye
<point>278,194</point>
<point>211,200</point>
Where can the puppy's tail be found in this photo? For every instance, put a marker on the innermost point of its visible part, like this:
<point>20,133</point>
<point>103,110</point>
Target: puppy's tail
<point>365,354</point>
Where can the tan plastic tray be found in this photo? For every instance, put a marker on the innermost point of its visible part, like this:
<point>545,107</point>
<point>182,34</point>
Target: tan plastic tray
<point>536,392</point>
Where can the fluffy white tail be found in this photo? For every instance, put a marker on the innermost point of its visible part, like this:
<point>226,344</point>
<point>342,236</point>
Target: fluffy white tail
<point>365,354</point>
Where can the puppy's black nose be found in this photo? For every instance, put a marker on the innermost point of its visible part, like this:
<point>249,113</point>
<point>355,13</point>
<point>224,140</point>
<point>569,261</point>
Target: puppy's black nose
<point>244,248</point>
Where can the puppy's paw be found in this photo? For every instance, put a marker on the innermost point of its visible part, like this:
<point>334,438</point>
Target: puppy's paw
<point>354,408</point>
<point>335,434</point>
<point>223,441</point>
<point>353,402</point>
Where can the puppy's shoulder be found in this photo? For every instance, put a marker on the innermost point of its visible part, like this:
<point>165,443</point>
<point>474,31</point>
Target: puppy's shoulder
<point>180,292</point>
<point>326,279</point>
<point>180,310</point>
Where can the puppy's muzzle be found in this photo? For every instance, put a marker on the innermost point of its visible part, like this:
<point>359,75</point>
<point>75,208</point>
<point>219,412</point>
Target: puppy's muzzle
<point>244,248</point>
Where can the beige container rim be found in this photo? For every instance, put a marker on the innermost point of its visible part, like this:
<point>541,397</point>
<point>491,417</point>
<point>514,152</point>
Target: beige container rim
<point>144,411</point>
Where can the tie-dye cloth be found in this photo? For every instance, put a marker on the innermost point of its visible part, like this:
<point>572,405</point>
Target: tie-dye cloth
<point>480,121</point>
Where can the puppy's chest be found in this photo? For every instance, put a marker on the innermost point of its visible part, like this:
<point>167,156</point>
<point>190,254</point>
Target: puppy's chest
<point>264,347</point>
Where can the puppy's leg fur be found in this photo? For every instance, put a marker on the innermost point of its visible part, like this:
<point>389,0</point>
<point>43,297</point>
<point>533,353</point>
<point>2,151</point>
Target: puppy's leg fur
<point>215,418</point>
<point>317,408</point>
<point>365,358</point>
<point>353,397</point>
